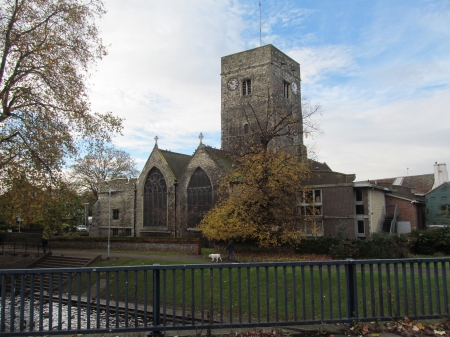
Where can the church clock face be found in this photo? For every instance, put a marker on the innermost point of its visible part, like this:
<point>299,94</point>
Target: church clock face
<point>233,84</point>
<point>294,87</point>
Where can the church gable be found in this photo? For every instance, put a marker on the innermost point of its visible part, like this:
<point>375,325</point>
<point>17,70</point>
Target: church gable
<point>154,194</point>
<point>197,186</point>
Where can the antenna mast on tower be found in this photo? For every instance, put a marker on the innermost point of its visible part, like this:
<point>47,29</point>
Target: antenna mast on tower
<point>260,38</point>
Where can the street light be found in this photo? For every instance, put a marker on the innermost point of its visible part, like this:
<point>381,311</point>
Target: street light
<point>109,221</point>
<point>19,220</point>
<point>86,205</point>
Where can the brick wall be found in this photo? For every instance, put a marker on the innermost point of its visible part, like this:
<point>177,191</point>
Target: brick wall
<point>407,211</point>
<point>338,207</point>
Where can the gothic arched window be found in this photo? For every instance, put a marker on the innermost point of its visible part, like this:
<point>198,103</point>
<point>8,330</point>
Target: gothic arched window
<point>155,199</point>
<point>199,195</point>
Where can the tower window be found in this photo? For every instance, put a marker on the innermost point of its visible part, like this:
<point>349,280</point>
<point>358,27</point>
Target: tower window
<point>115,214</point>
<point>286,89</point>
<point>246,87</point>
<point>245,128</point>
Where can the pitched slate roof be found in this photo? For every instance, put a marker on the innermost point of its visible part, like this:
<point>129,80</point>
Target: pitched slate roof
<point>222,158</point>
<point>176,161</point>
<point>318,166</point>
<point>444,183</point>
<point>420,184</point>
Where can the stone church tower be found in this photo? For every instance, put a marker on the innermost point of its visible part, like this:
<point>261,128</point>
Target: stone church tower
<point>258,86</point>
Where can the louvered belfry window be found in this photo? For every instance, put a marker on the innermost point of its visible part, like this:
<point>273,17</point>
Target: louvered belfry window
<point>246,87</point>
<point>199,197</point>
<point>155,200</point>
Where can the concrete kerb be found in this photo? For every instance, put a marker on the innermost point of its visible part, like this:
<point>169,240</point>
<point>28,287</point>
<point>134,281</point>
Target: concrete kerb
<point>322,330</point>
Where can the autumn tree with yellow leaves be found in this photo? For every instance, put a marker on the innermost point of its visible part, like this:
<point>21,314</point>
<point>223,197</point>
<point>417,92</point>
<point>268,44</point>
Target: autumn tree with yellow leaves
<point>47,50</point>
<point>258,199</point>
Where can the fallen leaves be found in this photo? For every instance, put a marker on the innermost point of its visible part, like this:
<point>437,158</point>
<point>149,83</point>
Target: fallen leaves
<point>285,257</point>
<point>405,327</point>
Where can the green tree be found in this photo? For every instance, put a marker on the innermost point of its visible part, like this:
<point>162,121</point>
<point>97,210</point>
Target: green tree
<point>101,163</point>
<point>47,49</point>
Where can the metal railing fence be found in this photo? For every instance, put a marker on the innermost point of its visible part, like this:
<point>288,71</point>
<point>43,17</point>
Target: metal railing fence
<point>208,296</point>
<point>21,247</point>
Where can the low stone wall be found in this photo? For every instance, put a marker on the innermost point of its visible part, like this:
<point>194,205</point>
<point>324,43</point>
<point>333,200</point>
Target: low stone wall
<point>243,248</point>
<point>182,247</point>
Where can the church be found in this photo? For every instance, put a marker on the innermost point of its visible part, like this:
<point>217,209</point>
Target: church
<point>174,190</point>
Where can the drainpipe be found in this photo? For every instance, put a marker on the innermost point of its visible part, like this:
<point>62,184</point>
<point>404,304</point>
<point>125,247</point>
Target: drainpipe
<point>370,211</point>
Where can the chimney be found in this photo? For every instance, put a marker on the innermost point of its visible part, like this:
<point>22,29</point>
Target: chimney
<point>440,174</point>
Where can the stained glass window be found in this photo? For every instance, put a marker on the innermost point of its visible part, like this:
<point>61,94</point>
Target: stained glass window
<point>199,195</point>
<point>155,200</point>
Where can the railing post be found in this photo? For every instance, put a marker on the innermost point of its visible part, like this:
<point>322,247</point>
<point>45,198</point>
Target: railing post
<point>350,273</point>
<point>156,300</point>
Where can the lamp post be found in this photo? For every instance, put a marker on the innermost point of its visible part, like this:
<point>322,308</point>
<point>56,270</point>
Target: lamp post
<point>109,221</point>
<point>175,183</point>
<point>86,205</point>
<point>19,220</point>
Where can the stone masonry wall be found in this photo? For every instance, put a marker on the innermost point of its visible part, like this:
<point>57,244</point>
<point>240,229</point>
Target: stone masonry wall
<point>268,69</point>
<point>122,199</point>
<point>155,160</point>
<point>184,248</point>
<point>203,160</point>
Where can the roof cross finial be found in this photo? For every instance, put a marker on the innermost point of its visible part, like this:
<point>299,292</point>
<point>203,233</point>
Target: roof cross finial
<point>201,138</point>
<point>156,140</point>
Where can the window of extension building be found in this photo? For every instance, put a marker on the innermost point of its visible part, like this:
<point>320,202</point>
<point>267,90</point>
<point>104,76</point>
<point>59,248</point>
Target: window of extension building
<point>314,228</point>
<point>115,214</point>
<point>245,128</point>
<point>286,87</point>
<point>199,195</point>
<point>359,210</point>
<point>445,211</point>
<point>155,200</point>
<point>246,87</point>
<point>361,229</point>
<point>311,203</point>
<point>359,195</point>
<point>359,202</point>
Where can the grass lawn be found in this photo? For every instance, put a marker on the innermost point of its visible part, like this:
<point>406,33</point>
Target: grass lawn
<point>284,292</point>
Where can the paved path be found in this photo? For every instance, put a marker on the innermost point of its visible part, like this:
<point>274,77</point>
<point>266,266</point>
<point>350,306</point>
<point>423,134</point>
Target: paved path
<point>121,254</point>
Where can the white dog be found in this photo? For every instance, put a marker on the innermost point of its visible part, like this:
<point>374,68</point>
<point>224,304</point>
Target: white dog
<point>215,256</point>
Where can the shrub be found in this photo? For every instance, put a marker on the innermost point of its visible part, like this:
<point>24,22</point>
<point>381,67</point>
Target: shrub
<point>431,241</point>
<point>378,246</point>
<point>345,249</point>
<point>316,245</point>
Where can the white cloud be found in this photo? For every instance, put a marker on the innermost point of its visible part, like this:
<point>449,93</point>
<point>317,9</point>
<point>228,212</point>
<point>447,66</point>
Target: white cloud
<point>162,73</point>
<point>384,90</point>
<point>319,62</point>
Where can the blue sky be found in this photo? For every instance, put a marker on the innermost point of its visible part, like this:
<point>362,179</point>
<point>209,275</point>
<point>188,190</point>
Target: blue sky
<point>379,69</point>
